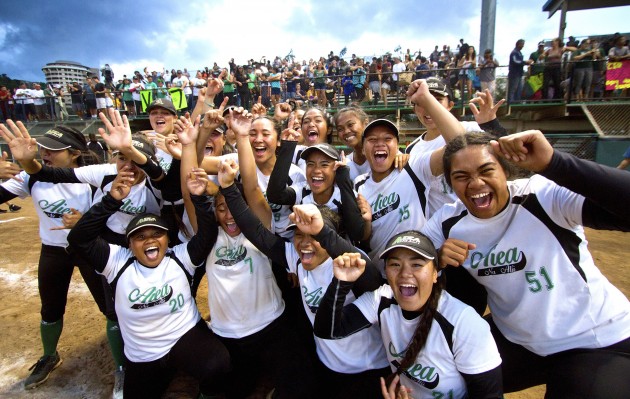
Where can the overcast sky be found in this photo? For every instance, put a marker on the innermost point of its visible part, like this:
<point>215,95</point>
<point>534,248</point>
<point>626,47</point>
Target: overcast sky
<point>193,34</point>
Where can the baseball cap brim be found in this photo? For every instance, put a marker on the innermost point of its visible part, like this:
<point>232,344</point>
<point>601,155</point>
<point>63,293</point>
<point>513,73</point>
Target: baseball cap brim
<point>327,149</point>
<point>145,220</point>
<point>380,122</point>
<point>417,250</point>
<point>52,144</point>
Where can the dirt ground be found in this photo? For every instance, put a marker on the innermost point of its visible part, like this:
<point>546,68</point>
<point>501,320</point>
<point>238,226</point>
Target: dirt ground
<point>87,369</point>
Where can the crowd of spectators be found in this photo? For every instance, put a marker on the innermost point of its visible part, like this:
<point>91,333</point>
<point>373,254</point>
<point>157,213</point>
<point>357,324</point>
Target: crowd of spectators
<point>553,68</point>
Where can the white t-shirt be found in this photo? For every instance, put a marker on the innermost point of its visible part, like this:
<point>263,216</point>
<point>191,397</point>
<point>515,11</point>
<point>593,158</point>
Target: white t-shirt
<point>398,202</point>
<point>437,370</point>
<point>155,307</point>
<point>180,82</point>
<point>141,198</point>
<point>355,169</point>
<point>354,354</point>
<point>544,290</point>
<point>242,292</point>
<point>51,202</point>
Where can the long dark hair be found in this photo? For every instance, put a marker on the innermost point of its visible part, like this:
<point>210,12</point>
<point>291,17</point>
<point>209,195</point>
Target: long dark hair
<point>327,118</point>
<point>466,140</point>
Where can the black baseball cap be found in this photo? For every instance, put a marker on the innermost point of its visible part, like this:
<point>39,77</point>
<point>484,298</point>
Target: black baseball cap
<point>380,122</point>
<point>437,86</point>
<point>413,241</point>
<point>163,103</point>
<point>61,138</point>
<point>145,220</point>
<point>143,146</point>
<point>326,148</point>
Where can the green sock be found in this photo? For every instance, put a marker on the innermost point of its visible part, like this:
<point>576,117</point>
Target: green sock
<point>50,333</point>
<point>115,343</point>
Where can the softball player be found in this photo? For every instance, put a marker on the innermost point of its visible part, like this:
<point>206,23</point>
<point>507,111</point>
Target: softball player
<point>58,207</point>
<point>159,320</point>
<point>556,319</point>
<point>436,345</point>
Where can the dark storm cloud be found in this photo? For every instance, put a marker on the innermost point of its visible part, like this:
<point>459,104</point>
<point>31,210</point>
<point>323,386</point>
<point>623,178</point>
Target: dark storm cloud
<point>81,31</point>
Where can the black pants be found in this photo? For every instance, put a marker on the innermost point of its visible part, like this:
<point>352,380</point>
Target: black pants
<point>577,373</point>
<point>198,353</point>
<point>276,350</point>
<point>461,285</point>
<point>552,74</point>
<point>364,385</point>
<point>54,274</point>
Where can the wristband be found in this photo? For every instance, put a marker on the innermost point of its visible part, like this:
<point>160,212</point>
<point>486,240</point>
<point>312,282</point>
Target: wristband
<point>211,105</point>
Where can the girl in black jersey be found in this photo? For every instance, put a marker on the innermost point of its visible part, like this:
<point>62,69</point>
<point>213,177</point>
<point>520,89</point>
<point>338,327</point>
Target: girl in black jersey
<point>59,206</point>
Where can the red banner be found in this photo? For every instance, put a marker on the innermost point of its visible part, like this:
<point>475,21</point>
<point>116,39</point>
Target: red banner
<point>618,75</point>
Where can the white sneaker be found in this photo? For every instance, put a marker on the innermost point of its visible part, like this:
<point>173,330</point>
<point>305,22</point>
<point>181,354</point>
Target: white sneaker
<point>119,381</point>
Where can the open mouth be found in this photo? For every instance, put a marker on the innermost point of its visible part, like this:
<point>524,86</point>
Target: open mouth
<point>152,253</point>
<point>260,151</point>
<point>47,162</point>
<point>407,290</point>
<point>209,150</point>
<point>380,156</point>
<point>481,200</point>
<point>317,181</point>
<point>312,136</point>
<point>306,255</point>
<point>231,227</point>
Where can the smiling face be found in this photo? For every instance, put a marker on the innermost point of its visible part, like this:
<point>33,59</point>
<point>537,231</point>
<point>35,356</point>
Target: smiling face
<point>411,278</point>
<point>224,217</point>
<point>380,148</point>
<point>425,118</point>
<point>320,175</point>
<point>314,127</point>
<point>149,245</point>
<point>264,140</point>
<point>350,129</point>
<point>122,161</point>
<point>479,181</point>
<point>310,251</point>
<point>161,121</point>
<point>59,158</point>
<point>214,146</point>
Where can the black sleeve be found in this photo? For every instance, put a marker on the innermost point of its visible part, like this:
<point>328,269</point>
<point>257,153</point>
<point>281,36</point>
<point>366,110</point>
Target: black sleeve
<point>336,245</point>
<point>349,210</point>
<point>277,190</point>
<point>6,195</point>
<point>607,190</point>
<point>56,175</point>
<point>201,243</point>
<point>486,385</point>
<point>494,127</point>
<point>85,235</point>
<point>333,320</point>
<point>170,185</point>
<point>152,169</point>
<point>253,229</point>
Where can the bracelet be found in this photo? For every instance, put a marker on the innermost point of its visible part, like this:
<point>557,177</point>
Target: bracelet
<point>211,105</point>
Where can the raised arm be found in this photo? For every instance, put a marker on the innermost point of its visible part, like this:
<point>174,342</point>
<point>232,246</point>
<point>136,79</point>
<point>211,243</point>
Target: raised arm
<point>202,242</point>
<point>240,121</point>
<point>606,189</point>
<point>334,320</point>
<point>448,125</point>
<point>278,192</point>
<point>349,209</point>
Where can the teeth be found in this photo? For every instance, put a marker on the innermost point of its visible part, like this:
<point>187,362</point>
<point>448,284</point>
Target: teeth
<point>481,195</point>
<point>380,153</point>
<point>306,251</point>
<point>317,179</point>
<point>408,285</point>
